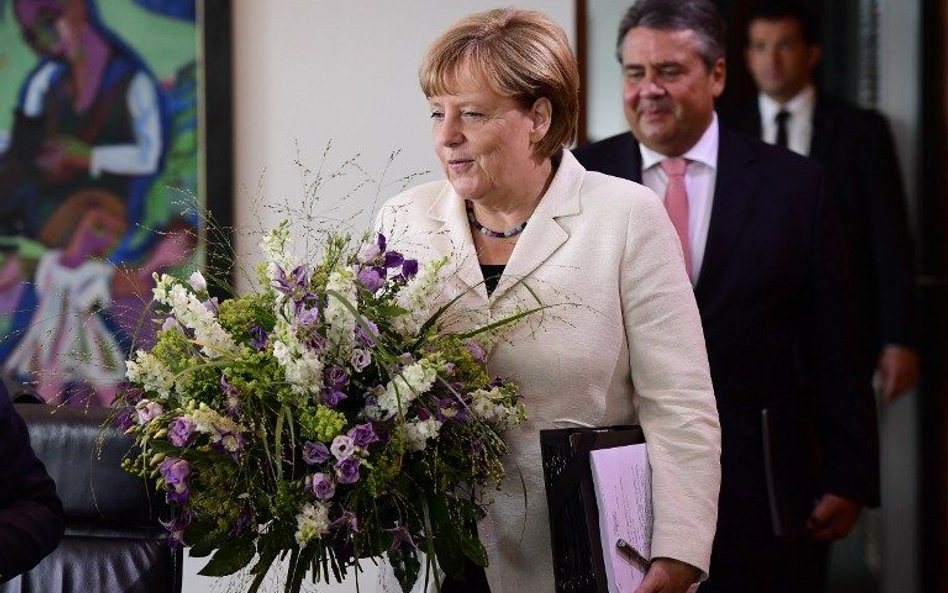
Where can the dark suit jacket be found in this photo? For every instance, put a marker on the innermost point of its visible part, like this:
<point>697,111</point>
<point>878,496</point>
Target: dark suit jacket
<point>862,170</point>
<point>31,514</point>
<point>797,415</point>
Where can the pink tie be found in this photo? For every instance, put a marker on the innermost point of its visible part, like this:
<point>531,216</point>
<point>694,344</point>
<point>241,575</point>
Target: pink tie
<point>676,203</point>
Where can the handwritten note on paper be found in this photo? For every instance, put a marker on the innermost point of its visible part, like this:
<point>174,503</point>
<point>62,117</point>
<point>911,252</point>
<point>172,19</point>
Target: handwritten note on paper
<point>623,482</point>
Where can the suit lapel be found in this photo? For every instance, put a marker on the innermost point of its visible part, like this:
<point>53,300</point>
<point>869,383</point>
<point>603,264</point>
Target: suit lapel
<point>453,239</point>
<point>544,235</point>
<point>735,180</point>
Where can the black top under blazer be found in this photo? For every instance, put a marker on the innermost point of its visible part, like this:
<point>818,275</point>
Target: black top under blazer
<point>797,411</point>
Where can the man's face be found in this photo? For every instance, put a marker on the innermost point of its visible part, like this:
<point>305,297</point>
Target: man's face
<point>669,92</point>
<point>779,57</point>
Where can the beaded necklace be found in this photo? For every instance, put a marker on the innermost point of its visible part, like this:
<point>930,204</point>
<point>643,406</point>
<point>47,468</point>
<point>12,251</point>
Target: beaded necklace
<point>489,232</point>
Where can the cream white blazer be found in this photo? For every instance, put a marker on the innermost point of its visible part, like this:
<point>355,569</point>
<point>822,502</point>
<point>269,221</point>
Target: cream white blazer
<point>619,342</point>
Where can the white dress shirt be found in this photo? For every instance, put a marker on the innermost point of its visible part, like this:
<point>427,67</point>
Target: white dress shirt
<point>799,125</point>
<point>700,176</point>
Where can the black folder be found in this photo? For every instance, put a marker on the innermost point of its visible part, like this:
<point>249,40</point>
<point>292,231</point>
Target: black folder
<point>574,515</point>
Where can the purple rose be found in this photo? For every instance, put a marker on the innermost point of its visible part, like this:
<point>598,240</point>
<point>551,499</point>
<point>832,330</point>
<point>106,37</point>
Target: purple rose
<point>371,279</point>
<point>148,411</point>
<point>180,431</point>
<point>360,359</point>
<point>409,269</point>
<point>322,486</point>
<point>342,447</point>
<point>363,434</point>
<point>335,377</point>
<point>176,472</point>
<point>331,397</point>
<point>393,259</point>
<point>178,498</point>
<point>366,339</point>
<point>347,470</point>
<point>348,519</point>
<point>315,452</point>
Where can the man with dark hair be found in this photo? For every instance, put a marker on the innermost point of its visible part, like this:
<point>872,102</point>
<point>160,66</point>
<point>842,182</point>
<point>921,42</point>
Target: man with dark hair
<point>31,514</point>
<point>856,147</point>
<point>762,244</point>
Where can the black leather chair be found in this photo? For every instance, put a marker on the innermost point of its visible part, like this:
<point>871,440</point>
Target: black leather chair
<point>114,542</point>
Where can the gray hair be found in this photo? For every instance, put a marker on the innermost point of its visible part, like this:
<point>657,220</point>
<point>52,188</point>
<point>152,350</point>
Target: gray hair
<point>700,16</point>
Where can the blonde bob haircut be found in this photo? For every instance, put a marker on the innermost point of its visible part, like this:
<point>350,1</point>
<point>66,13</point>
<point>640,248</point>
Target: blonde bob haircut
<point>520,54</point>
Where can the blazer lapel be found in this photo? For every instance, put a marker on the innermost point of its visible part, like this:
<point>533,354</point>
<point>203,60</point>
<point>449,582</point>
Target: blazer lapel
<point>544,235</point>
<point>453,239</point>
<point>735,179</point>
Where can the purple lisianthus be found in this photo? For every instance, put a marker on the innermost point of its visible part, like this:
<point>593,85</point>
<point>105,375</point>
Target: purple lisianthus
<point>369,253</point>
<point>178,498</point>
<point>211,305</point>
<point>371,279</point>
<point>363,435</point>
<point>125,419</point>
<point>228,442</point>
<point>258,338</point>
<point>176,473</point>
<point>342,447</point>
<point>176,527</point>
<point>409,269</point>
<point>423,414</point>
<point>308,316</point>
<point>449,408</point>
<point>393,259</point>
<point>315,452</point>
<point>359,359</point>
<point>347,519</point>
<point>336,377</point>
<point>347,470</point>
<point>331,397</point>
<point>180,431</point>
<point>476,351</point>
<point>294,285</point>
<point>366,339</point>
<point>400,537</point>
<point>170,323</point>
<point>147,411</point>
<point>322,486</point>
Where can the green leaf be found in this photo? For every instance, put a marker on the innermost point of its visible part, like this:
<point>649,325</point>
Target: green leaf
<point>405,566</point>
<point>234,554</point>
<point>202,538</point>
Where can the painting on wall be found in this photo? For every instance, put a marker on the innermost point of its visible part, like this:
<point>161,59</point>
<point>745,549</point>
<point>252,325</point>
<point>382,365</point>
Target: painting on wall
<point>104,153</point>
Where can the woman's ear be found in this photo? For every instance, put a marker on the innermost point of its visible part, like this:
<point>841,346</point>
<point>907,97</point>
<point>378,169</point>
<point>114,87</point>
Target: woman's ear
<point>541,113</point>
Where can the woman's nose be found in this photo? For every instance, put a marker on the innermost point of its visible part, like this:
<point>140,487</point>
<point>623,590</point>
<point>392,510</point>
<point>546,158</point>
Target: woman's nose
<point>448,132</point>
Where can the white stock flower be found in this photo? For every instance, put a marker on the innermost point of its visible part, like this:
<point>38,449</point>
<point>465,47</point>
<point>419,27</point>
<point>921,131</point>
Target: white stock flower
<point>419,433</point>
<point>413,380</point>
<point>302,367</point>
<point>188,309</point>
<point>417,297</point>
<point>489,406</point>
<point>274,245</point>
<point>339,318</point>
<point>208,421</point>
<point>311,523</point>
<point>150,373</point>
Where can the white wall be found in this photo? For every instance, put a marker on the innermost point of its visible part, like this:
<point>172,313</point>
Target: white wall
<point>308,72</point>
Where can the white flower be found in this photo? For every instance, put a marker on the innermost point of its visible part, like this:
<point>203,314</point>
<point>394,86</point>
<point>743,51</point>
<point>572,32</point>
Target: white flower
<point>197,281</point>
<point>302,367</point>
<point>150,373</point>
<point>417,297</point>
<point>342,447</point>
<point>360,359</point>
<point>275,245</point>
<point>193,314</point>
<point>209,421</point>
<point>489,406</point>
<point>339,317</point>
<point>147,411</point>
<point>419,433</point>
<point>414,380</point>
<point>369,253</point>
<point>311,523</point>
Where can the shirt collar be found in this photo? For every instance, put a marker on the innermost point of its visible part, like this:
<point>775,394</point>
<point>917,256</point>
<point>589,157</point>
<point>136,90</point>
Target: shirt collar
<point>704,151</point>
<point>801,105</point>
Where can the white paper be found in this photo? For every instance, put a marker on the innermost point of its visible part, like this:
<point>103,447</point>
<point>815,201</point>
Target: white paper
<point>623,482</point>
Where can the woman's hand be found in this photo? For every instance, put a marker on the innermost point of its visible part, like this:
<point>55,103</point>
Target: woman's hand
<point>669,576</point>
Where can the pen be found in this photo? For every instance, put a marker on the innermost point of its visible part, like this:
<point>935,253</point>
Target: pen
<point>632,555</point>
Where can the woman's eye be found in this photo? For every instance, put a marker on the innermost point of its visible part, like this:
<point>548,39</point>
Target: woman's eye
<point>437,115</point>
<point>473,114</point>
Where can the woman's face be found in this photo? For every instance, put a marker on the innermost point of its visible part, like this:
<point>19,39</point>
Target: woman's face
<point>484,141</point>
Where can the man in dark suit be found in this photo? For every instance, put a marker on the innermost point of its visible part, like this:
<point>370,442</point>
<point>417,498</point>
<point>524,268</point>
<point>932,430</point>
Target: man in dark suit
<point>31,514</point>
<point>764,250</point>
<point>856,148</point>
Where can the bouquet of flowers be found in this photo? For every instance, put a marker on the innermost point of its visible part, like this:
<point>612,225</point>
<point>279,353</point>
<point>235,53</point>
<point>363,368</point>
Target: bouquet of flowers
<point>324,419</point>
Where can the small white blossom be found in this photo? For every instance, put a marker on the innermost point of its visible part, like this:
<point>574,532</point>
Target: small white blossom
<point>197,281</point>
<point>417,297</point>
<point>150,373</point>
<point>311,523</point>
<point>419,433</point>
<point>275,247</point>
<point>208,421</point>
<point>490,407</point>
<point>413,380</point>
<point>193,314</point>
<point>339,318</point>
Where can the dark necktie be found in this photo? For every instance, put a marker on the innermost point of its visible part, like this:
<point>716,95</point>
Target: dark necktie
<point>782,117</point>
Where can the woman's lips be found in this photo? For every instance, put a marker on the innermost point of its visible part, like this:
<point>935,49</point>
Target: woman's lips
<point>459,164</point>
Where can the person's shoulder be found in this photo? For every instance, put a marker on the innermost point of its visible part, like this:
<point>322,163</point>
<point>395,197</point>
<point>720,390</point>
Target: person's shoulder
<point>734,141</point>
<point>846,114</point>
